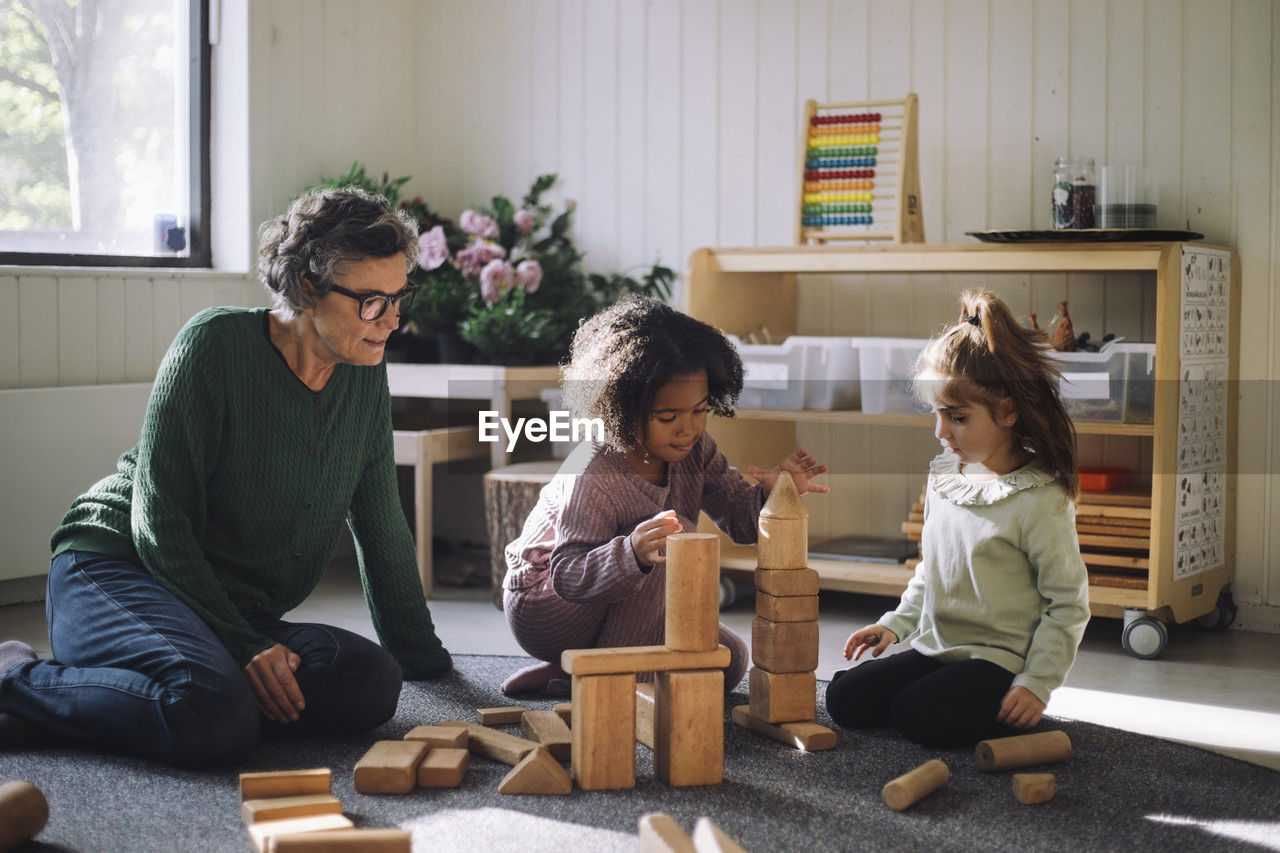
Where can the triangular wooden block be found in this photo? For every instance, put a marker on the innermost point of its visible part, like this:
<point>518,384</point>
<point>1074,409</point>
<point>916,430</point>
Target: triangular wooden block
<point>784,500</point>
<point>537,773</point>
<point>708,838</point>
<point>659,833</point>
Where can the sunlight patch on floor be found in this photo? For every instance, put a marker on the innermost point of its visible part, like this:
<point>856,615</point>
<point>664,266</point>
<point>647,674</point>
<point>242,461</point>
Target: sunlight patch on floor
<point>1264,834</point>
<point>494,829</point>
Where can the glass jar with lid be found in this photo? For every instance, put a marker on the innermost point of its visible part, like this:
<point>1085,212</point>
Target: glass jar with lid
<point>1074,193</point>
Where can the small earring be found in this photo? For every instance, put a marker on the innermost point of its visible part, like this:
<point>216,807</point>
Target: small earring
<point>647,460</point>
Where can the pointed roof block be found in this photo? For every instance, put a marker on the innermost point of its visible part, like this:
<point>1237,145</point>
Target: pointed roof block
<point>709,838</point>
<point>537,773</point>
<point>784,500</point>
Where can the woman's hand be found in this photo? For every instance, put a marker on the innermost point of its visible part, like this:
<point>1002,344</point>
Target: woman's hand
<point>874,637</point>
<point>800,465</point>
<point>1021,709</point>
<point>270,674</point>
<point>649,539</point>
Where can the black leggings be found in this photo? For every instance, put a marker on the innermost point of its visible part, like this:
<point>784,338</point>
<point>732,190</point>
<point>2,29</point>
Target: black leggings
<point>930,703</point>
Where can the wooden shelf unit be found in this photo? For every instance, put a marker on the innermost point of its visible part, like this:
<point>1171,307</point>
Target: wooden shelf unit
<point>738,288</point>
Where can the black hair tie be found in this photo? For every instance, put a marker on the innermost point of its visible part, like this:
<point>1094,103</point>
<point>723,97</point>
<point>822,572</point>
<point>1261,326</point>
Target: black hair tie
<point>973,321</point>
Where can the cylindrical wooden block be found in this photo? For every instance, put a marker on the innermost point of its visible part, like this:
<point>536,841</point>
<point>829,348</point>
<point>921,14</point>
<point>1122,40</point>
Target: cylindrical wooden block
<point>910,788</point>
<point>783,543</point>
<point>693,592</point>
<point>23,813</point>
<point>1008,753</point>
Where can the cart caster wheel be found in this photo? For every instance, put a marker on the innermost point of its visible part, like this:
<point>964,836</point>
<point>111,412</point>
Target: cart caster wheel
<point>1221,616</point>
<point>1145,638</point>
<point>728,593</point>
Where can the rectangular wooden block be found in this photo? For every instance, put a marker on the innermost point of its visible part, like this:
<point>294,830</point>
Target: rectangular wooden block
<point>688,727</point>
<point>565,710</point>
<point>784,646</point>
<point>389,767</point>
<point>644,713</point>
<point>501,716</point>
<point>346,841</point>
<point>443,767</point>
<point>787,581</point>
<point>548,729</point>
<point>453,737</point>
<point>778,697</point>
<point>284,783</point>
<point>283,808</point>
<point>261,835</point>
<point>604,726</point>
<point>787,608</point>
<point>491,743</point>
<point>693,592</point>
<point>809,737</point>
<point>633,659</point>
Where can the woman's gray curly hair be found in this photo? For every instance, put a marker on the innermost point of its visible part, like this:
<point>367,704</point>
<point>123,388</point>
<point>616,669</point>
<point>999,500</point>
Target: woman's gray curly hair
<point>322,232</point>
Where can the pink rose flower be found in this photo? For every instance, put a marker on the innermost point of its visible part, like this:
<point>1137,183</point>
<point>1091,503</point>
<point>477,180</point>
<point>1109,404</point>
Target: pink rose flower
<point>529,275</point>
<point>496,279</point>
<point>473,258</point>
<point>478,224</point>
<point>433,250</point>
<point>525,221</point>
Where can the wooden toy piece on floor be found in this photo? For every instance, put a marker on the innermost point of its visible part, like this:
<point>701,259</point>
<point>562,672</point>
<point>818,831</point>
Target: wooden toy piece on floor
<point>604,725</point>
<point>806,736</point>
<point>283,808</point>
<point>784,527</point>
<point>453,737</point>
<point>23,813</point>
<point>709,838</point>
<point>659,833</point>
<point>1032,789</point>
<point>1010,753</point>
<point>693,592</point>
<point>782,697</point>
<point>565,710</point>
<point>443,767</point>
<point>501,716</point>
<point>633,659</point>
<point>911,787</point>
<point>688,727</point>
<point>548,729</point>
<point>261,835</point>
<point>389,767</point>
<point>538,773</point>
<point>644,714</point>
<point>284,783</point>
<point>346,841</point>
<point>784,646</point>
<point>491,743</point>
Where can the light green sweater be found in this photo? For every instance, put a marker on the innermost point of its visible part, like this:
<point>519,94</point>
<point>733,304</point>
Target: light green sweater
<point>1000,576</point>
<point>236,492</point>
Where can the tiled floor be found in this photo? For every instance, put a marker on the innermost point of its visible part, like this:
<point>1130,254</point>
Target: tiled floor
<point>1217,690</point>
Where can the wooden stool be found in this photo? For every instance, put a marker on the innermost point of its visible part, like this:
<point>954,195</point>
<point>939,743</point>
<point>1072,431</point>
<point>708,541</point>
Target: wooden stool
<point>510,493</point>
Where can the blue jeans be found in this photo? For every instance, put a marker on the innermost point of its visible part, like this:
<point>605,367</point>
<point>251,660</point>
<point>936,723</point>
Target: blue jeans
<point>137,671</point>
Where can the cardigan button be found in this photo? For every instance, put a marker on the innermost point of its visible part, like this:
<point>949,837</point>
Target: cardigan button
<point>312,451</point>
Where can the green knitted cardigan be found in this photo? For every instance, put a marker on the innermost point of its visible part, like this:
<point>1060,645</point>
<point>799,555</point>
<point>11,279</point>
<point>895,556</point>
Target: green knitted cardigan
<point>234,496</point>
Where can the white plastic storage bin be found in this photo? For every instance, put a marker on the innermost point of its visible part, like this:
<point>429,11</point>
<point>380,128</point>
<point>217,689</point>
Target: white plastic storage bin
<point>802,372</point>
<point>830,373</point>
<point>885,369</point>
<point>1116,384</point>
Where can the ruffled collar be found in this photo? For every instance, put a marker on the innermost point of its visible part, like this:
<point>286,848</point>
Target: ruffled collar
<point>948,482</point>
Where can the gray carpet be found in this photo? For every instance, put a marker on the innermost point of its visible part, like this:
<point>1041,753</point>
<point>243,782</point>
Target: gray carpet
<point>1119,791</point>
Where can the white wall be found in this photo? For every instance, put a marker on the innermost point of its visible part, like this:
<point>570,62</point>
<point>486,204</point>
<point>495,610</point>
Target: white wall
<point>674,124</point>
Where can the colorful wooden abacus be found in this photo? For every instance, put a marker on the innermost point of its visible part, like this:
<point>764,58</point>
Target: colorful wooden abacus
<point>860,177</point>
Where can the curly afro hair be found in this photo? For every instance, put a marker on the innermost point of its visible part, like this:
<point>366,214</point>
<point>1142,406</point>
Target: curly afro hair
<point>623,355</point>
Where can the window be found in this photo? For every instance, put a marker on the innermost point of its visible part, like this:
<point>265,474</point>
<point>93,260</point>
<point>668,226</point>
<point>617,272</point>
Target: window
<point>104,144</point>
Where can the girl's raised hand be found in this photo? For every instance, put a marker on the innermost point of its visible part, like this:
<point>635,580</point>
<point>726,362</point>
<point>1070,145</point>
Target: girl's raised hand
<point>874,637</point>
<point>649,539</point>
<point>800,465</point>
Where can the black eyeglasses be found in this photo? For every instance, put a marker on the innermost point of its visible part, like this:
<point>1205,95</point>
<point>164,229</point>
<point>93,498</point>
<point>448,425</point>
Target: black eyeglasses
<point>374,305</point>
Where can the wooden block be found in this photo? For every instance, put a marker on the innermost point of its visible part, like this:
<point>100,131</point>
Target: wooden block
<point>262,834</point>
<point>283,808</point>
<point>809,737</point>
<point>565,710</point>
<point>24,811</point>
<point>784,646</point>
<point>913,786</point>
<point>693,592</point>
<point>604,746</point>
<point>787,581</point>
<point>644,713</point>
<point>1010,753</point>
<point>778,697</point>
<point>502,716</point>
<point>784,500</point>
<point>709,838</point>
<point>538,773</point>
<point>633,659</point>
<point>346,841</point>
<point>783,543</point>
<point>284,783</point>
<point>452,737</point>
<point>1032,789</point>
<point>548,729</point>
<point>659,833</point>
<point>443,767</point>
<point>491,743</point>
<point>389,767</point>
<point>787,608</point>
<point>688,727</point>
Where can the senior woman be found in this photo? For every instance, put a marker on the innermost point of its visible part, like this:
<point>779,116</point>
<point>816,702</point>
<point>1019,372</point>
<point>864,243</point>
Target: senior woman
<point>265,430</point>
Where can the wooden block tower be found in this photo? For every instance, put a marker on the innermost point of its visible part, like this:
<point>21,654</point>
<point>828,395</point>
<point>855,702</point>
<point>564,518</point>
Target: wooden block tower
<point>784,634</point>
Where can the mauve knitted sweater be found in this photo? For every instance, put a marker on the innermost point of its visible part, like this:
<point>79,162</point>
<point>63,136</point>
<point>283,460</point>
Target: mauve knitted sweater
<point>234,496</point>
